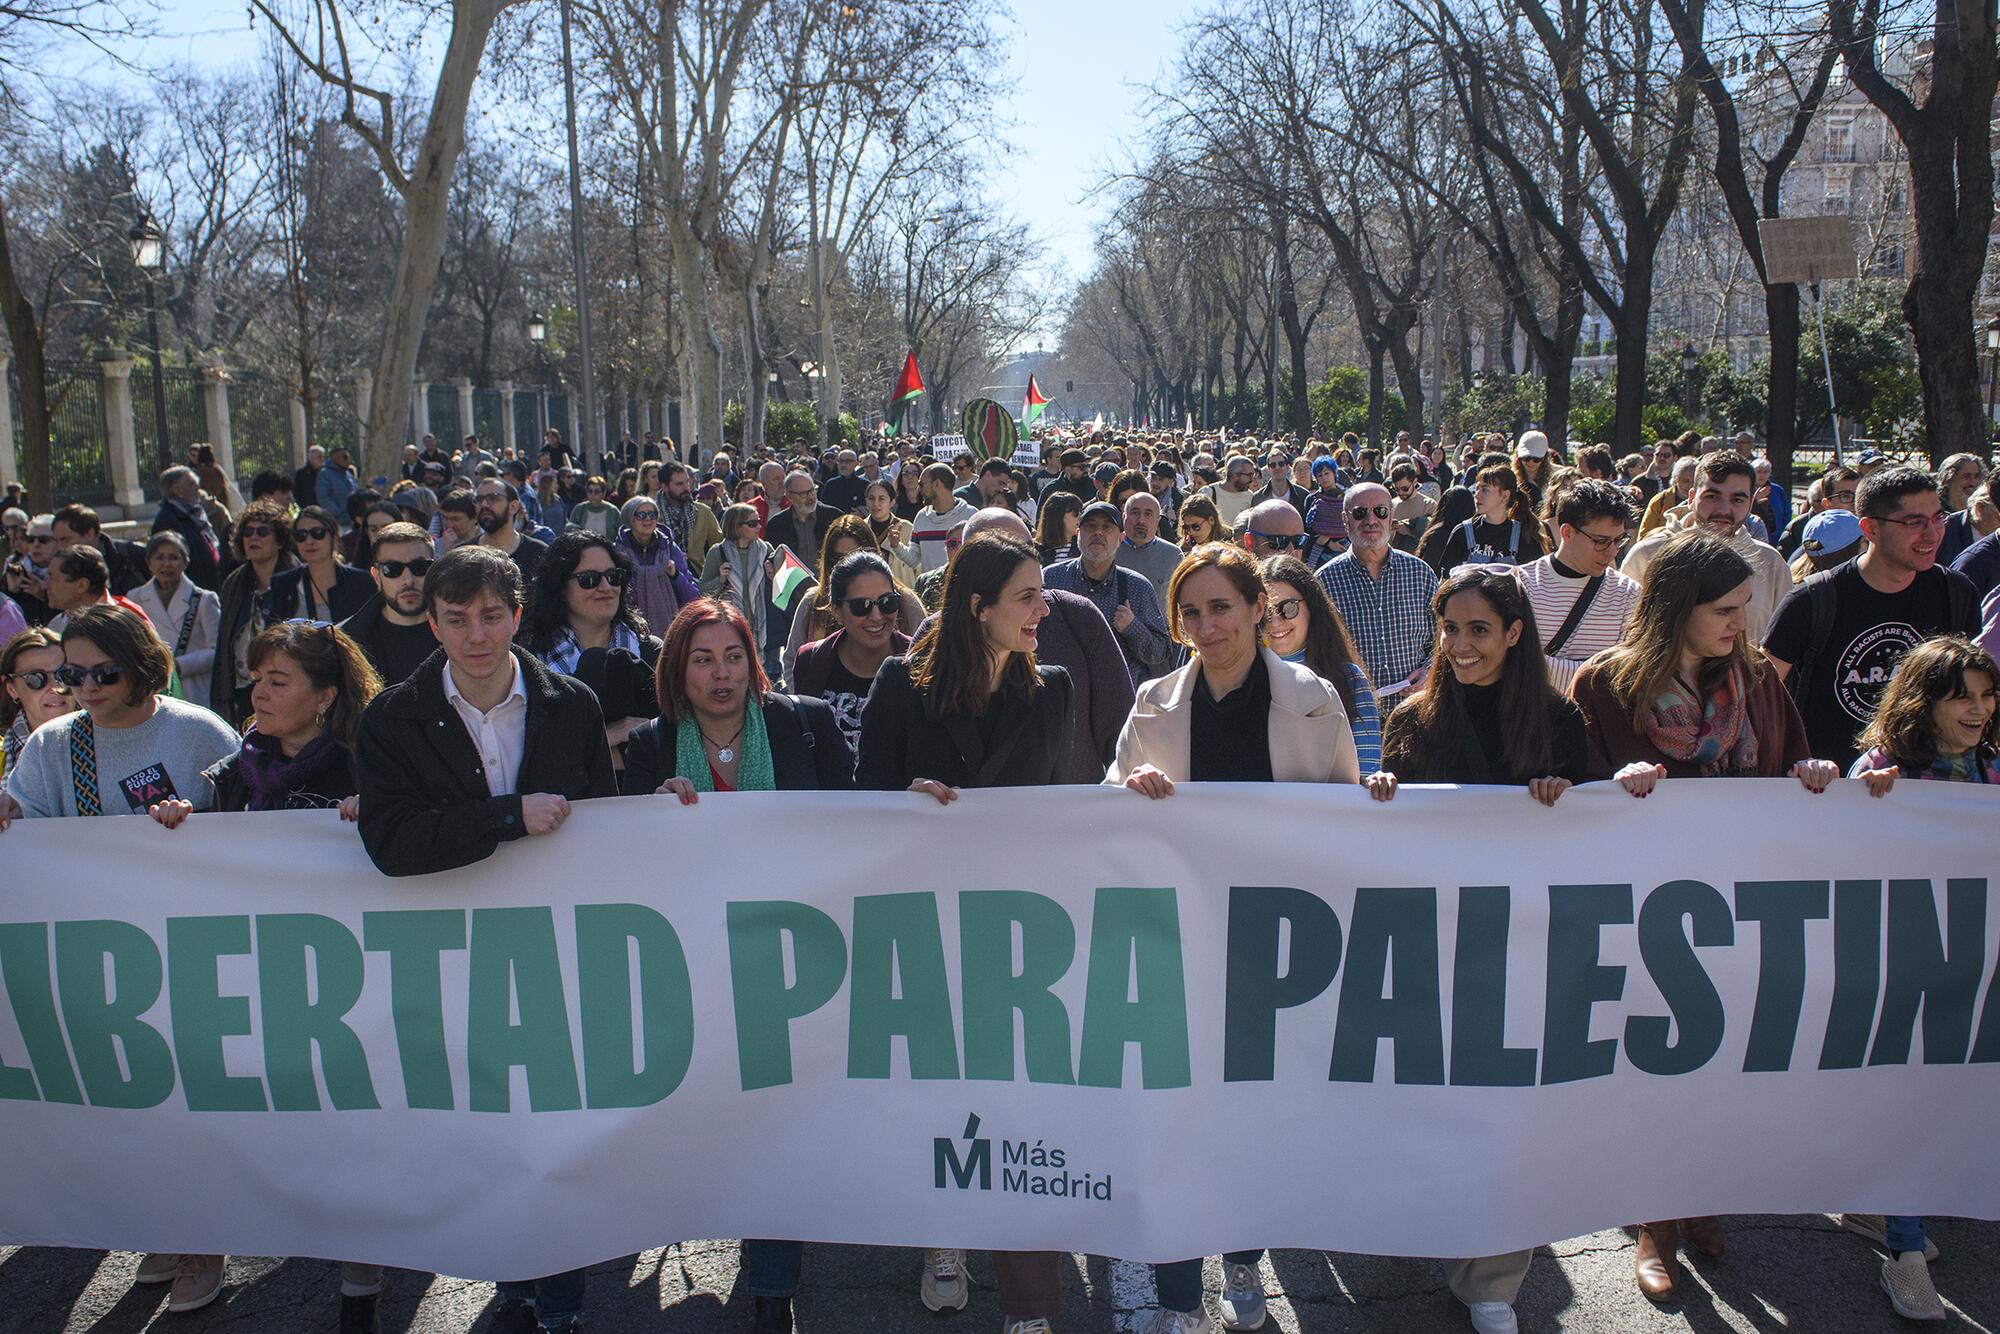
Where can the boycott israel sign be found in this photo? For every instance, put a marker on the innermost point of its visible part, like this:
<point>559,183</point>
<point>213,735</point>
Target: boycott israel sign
<point>1039,1018</point>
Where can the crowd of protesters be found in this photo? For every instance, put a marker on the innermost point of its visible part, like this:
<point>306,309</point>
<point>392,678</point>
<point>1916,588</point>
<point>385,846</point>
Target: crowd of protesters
<point>453,659</point>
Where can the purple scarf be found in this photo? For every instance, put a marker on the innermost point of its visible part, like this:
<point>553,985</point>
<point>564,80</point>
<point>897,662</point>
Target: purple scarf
<point>271,776</point>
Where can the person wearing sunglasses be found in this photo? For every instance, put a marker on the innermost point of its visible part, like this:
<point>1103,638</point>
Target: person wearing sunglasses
<point>662,582</point>
<point>867,608</point>
<point>1302,626</point>
<point>129,745</point>
<point>322,587</point>
<point>581,621</point>
<point>391,629</point>
<point>32,694</point>
<point>1274,528</point>
<point>262,545</point>
<point>739,569</point>
<point>1843,631</point>
<point>815,617</point>
<point>1582,602</point>
<point>1237,713</point>
<point>185,615</point>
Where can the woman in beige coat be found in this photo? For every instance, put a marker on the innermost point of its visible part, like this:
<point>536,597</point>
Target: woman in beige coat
<point>1237,713</point>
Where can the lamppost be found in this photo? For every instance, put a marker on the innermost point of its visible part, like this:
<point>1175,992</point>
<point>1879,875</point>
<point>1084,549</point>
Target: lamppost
<point>1690,362</point>
<point>1992,374</point>
<point>538,334</point>
<point>148,254</point>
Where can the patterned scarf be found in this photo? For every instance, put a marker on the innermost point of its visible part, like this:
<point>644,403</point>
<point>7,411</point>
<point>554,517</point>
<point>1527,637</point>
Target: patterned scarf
<point>202,525</point>
<point>567,652</point>
<point>1960,768</point>
<point>678,517</point>
<point>270,776</point>
<point>1713,734</point>
<point>753,755</point>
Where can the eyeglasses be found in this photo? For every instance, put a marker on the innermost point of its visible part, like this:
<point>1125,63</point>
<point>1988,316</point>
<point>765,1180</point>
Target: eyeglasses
<point>39,680</point>
<point>1600,543</point>
<point>638,515</point>
<point>801,495</point>
<point>589,579</point>
<point>1282,541</point>
<point>1360,512</point>
<point>41,537</point>
<point>394,569</point>
<point>104,673</point>
<point>751,523</point>
<point>252,530</point>
<point>1847,496</point>
<point>492,497</point>
<point>889,604</point>
<point>313,534</point>
<point>1287,609</point>
<point>1916,523</point>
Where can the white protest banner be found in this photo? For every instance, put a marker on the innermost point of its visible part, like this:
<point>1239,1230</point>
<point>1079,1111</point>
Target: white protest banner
<point>1041,1018</point>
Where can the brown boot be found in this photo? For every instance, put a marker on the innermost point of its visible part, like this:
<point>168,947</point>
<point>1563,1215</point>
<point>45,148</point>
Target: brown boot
<point>1654,1264</point>
<point>1704,1234</point>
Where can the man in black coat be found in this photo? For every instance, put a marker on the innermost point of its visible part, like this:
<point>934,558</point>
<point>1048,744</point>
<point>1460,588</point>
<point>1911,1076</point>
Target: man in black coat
<point>483,744</point>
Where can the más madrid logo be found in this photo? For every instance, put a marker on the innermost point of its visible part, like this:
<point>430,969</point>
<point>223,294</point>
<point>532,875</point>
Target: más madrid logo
<point>1027,1167</point>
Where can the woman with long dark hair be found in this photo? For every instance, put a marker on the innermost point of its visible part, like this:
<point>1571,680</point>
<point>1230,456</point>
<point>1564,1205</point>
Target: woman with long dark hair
<point>1454,508</point>
<point>1056,525</point>
<point>262,544</point>
<point>1301,625</point>
<point>1685,694</point>
<point>895,536</point>
<point>321,587</point>
<point>1485,715</point>
<point>815,620</point>
<point>581,620</point>
<point>970,707</point>
<point>32,694</point>
<point>910,489</point>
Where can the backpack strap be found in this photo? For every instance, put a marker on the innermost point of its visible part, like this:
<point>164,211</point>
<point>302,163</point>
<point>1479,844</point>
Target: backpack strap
<point>1575,617</point>
<point>1822,608</point>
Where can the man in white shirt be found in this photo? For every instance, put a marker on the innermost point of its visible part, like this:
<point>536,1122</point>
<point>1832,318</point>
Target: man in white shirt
<point>1724,485</point>
<point>931,531</point>
<point>1591,524</point>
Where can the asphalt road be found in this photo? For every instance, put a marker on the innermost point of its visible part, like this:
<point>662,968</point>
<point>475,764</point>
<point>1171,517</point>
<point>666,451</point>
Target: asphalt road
<point>1781,1273</point>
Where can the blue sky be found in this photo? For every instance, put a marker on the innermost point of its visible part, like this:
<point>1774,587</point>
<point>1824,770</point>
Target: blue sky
<point>1078,68</point>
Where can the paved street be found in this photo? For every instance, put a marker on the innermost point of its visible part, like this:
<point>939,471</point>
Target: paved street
<point>1782,1273</point>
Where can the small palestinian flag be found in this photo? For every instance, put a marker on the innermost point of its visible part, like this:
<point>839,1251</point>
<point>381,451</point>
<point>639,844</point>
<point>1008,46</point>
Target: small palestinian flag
<point>1032,406</point>
<point>790,578</point>
<point>909,385</point>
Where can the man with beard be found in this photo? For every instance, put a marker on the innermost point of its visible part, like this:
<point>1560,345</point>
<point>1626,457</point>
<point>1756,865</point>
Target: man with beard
<point>391,627</point>
<point>1725,486</point>
<point>1125,598</point>
<point>497,507</point>
<point>691,524</point>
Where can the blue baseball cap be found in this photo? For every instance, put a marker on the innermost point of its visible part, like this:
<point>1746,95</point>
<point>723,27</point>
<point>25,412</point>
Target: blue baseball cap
<point>1829,536</point>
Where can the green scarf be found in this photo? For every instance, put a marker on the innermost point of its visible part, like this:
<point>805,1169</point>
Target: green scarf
<point>753,758</point>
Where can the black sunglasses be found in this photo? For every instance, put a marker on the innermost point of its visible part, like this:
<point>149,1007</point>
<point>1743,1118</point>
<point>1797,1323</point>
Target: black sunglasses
<point>257,530</point>
<point>104,673</point>
<point>644,514</point>
<point>313,534</point>
<point>1363,511</point>
<point>589,579</point>
<point>1283,541</point>
<point>393,569</point>
<point>39,680</point>
<point>889,604</point>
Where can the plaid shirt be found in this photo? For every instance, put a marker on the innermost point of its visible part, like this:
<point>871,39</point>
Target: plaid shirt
<point>1149,649</point>
<point>1390,618</point>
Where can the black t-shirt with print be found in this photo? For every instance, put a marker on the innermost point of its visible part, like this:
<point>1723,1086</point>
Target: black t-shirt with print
<point>1871,633</point>
<point>845,693</point>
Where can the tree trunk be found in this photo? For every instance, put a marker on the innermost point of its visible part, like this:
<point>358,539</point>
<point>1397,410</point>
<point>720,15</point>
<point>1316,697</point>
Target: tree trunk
<point>755,400</point>
<point>24,331</point>
<point>1938,304</point>
<point>1634,311</point>
<point>1410,383</point>
<point>701,348</point>
<point>425,199</point>
<point>1556,379</point>
<point>1376,351</point>
<point>1781,422</point>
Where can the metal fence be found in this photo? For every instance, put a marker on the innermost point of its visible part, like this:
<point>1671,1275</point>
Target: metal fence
<point>77,466</point>
<point>487,409</point>
<point>528,422</point>
<point>334,423</point>
<point>187,423</point>
<point>443,402</point>
<point>260,414</point>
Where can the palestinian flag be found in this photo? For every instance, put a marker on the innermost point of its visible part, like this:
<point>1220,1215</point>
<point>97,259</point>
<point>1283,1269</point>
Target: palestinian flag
<point>790,578</point>
<point>908,386</point>
<point>1031,407</point>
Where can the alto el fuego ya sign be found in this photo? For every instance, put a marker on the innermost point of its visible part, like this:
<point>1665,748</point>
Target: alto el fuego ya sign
<point>1033,1019</point>
<point>1402,980</point>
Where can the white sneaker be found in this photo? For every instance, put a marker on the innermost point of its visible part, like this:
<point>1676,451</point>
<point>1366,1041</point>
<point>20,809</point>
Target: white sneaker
<point>1181,1322</point>
<point>1907,1280</point>
<point>1035,1326</point>
<point>158,1267</point>
<point>1242,1297</point>
<point>1492,1317</point>
<point>944,1280</point>
<point>1872,1227</point>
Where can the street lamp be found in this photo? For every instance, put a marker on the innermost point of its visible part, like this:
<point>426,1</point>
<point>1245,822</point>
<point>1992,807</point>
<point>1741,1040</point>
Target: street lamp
<point>1992,373</point>
<point>1690,361</point>
<point>148,255</point>
<point>538,334</point>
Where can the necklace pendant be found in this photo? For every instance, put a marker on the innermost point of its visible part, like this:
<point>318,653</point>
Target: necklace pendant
<point>725,754</point>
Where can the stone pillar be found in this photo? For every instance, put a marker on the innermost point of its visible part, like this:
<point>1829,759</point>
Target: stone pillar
<point>9,470</point>
<point>215,407</point>
<point>296,431</point>
<point>121,453</point>
<point>420,403</point>
<point>465,425</point>
<point>364,403</point>
<point>506,390</point>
